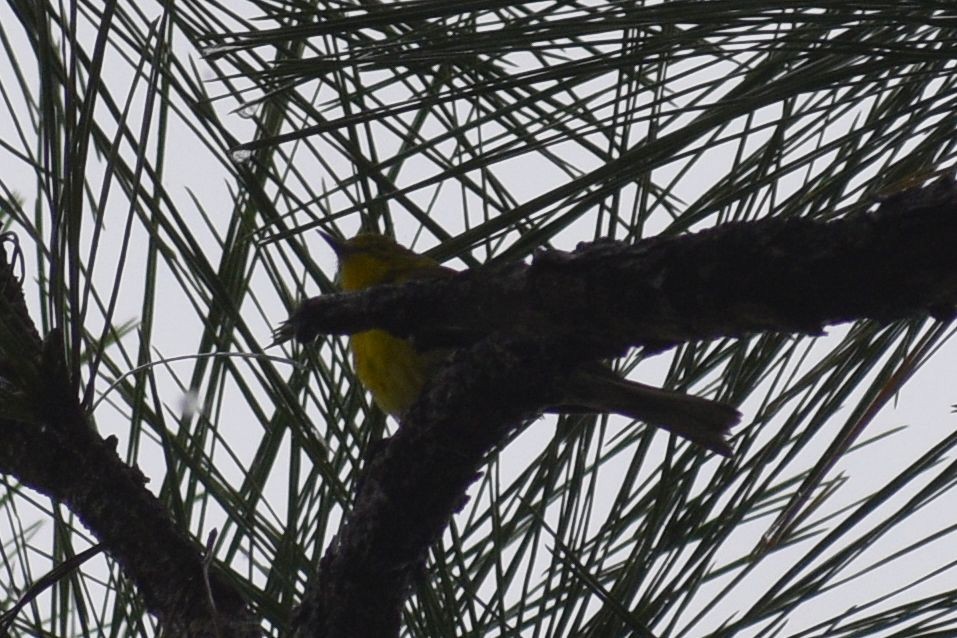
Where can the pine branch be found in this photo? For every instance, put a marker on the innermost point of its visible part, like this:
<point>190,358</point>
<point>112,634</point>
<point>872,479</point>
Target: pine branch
<point>537,322</point>
<point>48,444</point>
<point>772,275</point>
<point>409,490</point>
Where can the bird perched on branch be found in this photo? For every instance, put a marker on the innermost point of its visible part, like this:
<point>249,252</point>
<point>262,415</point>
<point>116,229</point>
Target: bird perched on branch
<point>395,371</point>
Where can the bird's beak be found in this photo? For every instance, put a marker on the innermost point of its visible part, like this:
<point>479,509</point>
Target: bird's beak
<point>338,245</point>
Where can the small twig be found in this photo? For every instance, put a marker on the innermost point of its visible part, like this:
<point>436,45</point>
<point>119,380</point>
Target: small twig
<point>207,563</point>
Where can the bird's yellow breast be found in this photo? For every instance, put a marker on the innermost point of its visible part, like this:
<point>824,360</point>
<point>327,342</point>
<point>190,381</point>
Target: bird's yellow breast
<point>392,369</point>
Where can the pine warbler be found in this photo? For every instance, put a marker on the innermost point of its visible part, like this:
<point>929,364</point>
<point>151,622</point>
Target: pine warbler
<point>395,372</point>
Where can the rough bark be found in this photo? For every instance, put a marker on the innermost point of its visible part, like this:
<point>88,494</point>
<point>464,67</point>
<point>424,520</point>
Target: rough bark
<point>48,443</point>
<point>538,320</point>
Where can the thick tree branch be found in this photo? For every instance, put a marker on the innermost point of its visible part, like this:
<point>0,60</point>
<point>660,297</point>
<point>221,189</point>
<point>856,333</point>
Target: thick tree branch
<point>787,275</point>
<point>410,489</point>
<point>47,444</point>
<point>538,321</point>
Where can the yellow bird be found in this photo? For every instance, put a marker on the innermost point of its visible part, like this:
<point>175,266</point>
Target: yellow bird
<point>395,372</point>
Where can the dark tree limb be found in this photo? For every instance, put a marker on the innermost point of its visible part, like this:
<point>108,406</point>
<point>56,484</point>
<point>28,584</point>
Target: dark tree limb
<point>48,444</point>
<point>538,321</point>
<point>785,275</point>
<point>411,488</point>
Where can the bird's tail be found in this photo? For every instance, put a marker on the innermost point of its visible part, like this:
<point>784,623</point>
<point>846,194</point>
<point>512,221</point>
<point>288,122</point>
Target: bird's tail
<point>702,421</point>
